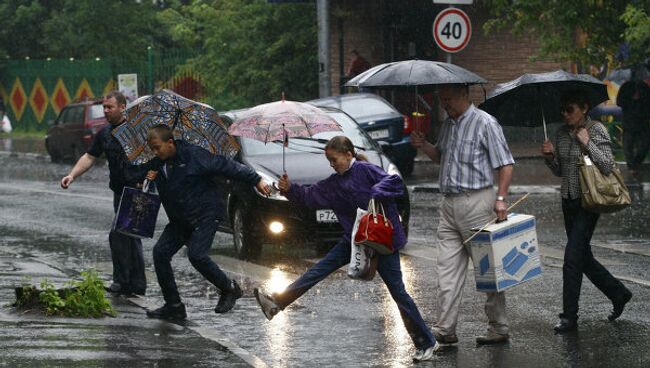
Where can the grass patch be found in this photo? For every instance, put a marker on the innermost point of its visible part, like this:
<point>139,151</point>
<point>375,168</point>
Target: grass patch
<point>80,298</point>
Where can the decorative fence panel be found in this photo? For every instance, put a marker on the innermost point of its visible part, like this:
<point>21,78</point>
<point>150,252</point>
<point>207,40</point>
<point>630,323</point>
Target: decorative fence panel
<point>35,91</point>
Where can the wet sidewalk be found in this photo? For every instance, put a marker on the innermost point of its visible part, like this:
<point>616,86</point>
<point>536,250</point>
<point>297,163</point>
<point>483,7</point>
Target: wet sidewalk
<point>29,338</point>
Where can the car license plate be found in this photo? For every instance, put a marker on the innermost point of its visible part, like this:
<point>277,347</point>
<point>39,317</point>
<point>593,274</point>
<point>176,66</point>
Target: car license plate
<point>326,216</point>
<point>378,134</point>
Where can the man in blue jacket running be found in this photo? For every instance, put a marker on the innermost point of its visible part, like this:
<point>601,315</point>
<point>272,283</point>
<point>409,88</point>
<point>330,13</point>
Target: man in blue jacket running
<point>192,202</point>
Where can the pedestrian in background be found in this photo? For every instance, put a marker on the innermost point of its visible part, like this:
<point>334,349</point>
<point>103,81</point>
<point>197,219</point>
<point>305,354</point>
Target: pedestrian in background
<point>126,251</point>
<point>634,100</point>
<point>193,205</point>
<point>355,182</point>
<point>470,148</point>
<point>571,141</point>
<point>357,66</point>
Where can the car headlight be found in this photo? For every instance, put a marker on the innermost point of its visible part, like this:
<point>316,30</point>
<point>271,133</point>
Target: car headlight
<point>392,170</point>
<point>275,194</point>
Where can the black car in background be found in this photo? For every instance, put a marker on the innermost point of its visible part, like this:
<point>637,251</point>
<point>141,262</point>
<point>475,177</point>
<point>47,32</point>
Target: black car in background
<point>382,122</point>
<point>254,219</point>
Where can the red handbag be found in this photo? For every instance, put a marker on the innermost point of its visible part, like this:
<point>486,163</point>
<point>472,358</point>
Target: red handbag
<point>375,230</point>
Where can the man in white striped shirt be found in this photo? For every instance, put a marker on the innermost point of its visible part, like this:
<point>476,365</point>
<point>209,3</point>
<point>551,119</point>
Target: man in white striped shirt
<point>470,149</point>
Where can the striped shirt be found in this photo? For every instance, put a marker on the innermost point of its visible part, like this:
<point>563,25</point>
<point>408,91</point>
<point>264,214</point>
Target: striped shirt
<point>567,152</point>
<point>471,148</point>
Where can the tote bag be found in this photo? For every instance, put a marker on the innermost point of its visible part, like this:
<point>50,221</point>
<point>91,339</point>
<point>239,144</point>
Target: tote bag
<point>138,211</point>
<point>602,193</point>
<point>363,260</point>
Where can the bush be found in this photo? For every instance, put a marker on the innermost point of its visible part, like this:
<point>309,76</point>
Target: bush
<point>84,298</point>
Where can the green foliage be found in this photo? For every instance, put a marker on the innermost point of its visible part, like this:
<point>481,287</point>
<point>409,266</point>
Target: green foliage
<point>84,298</point>
<point>80,29</point>
<point>587,31</point>
<point>252,50</point>
<point>50,298</point>
<point>637,32</point>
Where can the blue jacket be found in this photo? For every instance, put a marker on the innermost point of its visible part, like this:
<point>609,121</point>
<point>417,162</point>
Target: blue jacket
<point>189,194</point>
<point>344,193</point>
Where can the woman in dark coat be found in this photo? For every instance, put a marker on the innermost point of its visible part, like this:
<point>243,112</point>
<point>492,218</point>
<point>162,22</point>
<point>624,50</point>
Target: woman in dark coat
<point>580,134</point>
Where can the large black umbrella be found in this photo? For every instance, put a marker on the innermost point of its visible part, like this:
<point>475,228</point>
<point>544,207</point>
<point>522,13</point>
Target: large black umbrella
<point>532,99</point>
<point>413,73</point>
<point>416,74</point>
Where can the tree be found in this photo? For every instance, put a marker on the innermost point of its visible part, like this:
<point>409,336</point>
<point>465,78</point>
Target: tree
<point>589,32</point>
<point>252,51</point>
<point>80,29</point>
<point>637,33</point>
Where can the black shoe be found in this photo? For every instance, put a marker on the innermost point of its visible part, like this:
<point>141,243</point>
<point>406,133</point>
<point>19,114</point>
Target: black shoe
<point>619,306</point>
<point>169,311</point>
<point>228,298</point>
<point>114,288</point>
<point>566,325</point>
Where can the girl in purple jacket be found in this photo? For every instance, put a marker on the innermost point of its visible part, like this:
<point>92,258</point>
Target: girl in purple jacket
<point>355,182</point>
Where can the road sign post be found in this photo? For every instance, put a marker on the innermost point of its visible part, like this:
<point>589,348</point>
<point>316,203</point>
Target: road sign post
<point>452,30</point>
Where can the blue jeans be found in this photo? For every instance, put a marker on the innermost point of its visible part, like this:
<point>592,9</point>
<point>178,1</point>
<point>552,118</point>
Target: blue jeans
<point>390,271</point>
<point>198,241</point>
<point>128,259</point>
<point>578,259</point>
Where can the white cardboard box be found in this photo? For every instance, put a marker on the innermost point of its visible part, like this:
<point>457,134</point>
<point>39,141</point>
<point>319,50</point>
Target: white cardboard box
<point>506,254</point>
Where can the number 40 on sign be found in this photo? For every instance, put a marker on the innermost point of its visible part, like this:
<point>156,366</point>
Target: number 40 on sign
<point>452,30</point>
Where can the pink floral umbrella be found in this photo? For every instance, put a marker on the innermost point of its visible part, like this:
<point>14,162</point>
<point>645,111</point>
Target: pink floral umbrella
<point>281,120</point>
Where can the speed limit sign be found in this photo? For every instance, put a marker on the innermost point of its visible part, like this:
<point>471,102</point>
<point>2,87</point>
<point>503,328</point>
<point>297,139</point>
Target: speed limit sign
<point>452,30</point>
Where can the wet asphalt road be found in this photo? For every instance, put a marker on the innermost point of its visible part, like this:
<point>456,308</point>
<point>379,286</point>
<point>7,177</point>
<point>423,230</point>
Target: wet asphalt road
<point>338,323</point>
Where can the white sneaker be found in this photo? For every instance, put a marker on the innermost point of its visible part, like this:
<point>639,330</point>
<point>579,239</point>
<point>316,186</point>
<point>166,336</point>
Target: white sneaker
<point>428,354</point>
<point>266,302</point>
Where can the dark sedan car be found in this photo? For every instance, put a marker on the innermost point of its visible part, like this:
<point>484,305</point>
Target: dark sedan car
<point>382,122</point>
<point>254,219</point>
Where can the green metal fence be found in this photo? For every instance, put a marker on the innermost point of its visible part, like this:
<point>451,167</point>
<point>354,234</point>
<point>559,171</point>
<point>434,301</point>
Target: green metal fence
<point>35,91</point>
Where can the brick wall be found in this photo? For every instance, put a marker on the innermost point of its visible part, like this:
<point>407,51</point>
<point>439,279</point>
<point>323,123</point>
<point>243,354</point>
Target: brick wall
<point>363,33</point>
<point>369,25</point>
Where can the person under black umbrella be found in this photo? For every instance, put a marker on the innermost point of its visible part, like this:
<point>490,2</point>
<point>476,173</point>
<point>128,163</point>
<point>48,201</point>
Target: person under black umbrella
<point>472,153</point>
<point>634,100</point>
<point>581,135</point>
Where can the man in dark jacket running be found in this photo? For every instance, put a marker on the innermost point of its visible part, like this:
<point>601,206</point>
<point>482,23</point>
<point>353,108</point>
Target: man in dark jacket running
<point>192,202</point>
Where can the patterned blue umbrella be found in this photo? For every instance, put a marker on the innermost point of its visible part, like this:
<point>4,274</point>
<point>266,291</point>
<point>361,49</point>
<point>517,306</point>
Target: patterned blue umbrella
<point>191,121</point>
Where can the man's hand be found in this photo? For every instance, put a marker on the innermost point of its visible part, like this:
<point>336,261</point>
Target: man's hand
<point>284,184</point>
<point>66,181</point>
<point>418,140</point>
<point>151,175</point>
<point>501,209</point>
<point>263,187</point>
<point>548,150</point>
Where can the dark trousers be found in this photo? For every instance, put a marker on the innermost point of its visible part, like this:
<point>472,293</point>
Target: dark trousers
<point>198,241</point>
<point>128,259</point>
<point>579,260</point>
<point>389,269</point>
<point>636,145</point>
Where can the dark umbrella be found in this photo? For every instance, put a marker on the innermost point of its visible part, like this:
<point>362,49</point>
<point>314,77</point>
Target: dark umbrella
<point>191,121</point>
<point>417,74</point>
<point>414,73</point>
<point>532,99</point>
